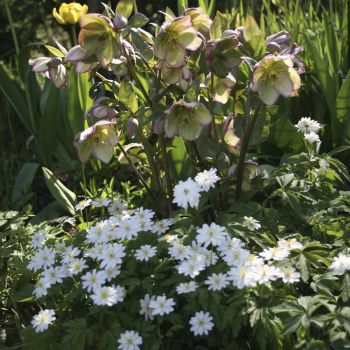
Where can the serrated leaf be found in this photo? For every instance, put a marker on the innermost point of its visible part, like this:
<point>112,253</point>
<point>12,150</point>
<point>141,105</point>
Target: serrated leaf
<point>127,96</point>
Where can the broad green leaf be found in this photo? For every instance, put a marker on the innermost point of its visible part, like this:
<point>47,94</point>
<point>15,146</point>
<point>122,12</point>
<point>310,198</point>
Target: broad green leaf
<point>180,164</point>
<point>343,101</point>
<point>124,7</point>
<point>138,20</point>
<point>60,192</point>
<point>254,37</point>
<point>47,132</point>
<point>14,97</point>
<point>24,180</point>
<point>127,96</point>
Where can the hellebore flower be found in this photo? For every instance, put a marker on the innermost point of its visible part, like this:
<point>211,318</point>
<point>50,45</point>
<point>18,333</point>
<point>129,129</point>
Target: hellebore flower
<point>277,42</point>
<point>98,37</point>
<point>52,68</point>
<point>173,39</point>
<point>101,110</point>
<point>69,13</point>
<point>222,55</point>
<point>223,87</point>
<point>274,76</point>
<point>80,58</point>
<point>231,140</point>
<point>187,119</point>
<point>97,140</point>
<point>200,21</point>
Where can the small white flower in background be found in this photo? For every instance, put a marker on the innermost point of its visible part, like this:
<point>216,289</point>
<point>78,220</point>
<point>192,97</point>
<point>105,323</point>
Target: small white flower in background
<point>312,137</point>
<point>112,272</point>
<point>242,276</point>
<point>3,335</point>
<point>99,232</point>
<point>129,340</point>
<point>43,319</point>
<point>236,257</point>
<point>145,309</point>
<point>107,296</point>
<point>94,279</point>
<point>211,257</point>
<point>112,255</point>
<point>161,305</point>
<point>69,254</point>
<point>179,251</point>
<point>54,275</point>
<point>289,244</point>
<point>207,179</point>
<point>76,266</point>
<point>43,258</point>
<point>162,226</point>
<point>266,273</point>
<point>213,234</point>
<point>289,275</point>
<point>254,260</point>
<point>217,281</point>
<point>41,287</point>
<point>250,223</point>
<point>228,244</point>
<point>201,323</point>
<point>101,202</point>
<point>187,194</point>
<point>275,253</point>
<point>60,247</point>
<point>192,267</point>
<point>38,238</point>
<point>186,287</point>
<point>340,264</point>
<point>307,125</point>
<point>145,252</point>
<point>144,214</point>
<point>83,204</point>
<point>128,228</point>
<point>116,206</point>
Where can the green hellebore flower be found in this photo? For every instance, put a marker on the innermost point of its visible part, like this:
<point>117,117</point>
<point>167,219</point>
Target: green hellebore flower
<point>274,76</point>
<point>97,36</point>
<point>222,55</point>
<point>187,119</point>
<point>98,141</point>
<point>173,39</point>
<point>200,20</point>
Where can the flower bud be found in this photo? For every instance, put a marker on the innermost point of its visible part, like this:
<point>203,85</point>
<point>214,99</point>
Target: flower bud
<point>120,21</point>
<point>131,126</point>
<point>158,126</point>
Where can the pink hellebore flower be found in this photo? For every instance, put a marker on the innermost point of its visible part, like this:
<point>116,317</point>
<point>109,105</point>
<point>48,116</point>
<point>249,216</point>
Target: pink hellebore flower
<point>97,140</point>
<point>274,75</point>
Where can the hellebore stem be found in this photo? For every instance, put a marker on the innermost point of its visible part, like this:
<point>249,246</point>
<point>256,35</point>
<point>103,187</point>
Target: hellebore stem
<point>211,108</point>
<point>74,35</point>
<point>138,174</point>
<point>166,169</point>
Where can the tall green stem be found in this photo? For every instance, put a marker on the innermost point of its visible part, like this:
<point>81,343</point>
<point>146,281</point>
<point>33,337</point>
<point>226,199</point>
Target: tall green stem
<point>211,108</point>
<point>166,168</point>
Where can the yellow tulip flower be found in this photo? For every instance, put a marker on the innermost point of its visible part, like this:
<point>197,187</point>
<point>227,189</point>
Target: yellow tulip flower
<point>69,13</point>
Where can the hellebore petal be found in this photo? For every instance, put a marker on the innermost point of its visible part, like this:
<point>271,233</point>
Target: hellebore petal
<point>171,125</point>
<point>189,131</point>
<point>76,54</point>
<point>82,67</point>
<point>200,21</point>
<point>201,114</point>
<point>190,40</point>
<point>175,56</point>
<point>267,93</point>
<point>283,84</point>
<point>294,76</point>
<point>103,152</point>
<point>58,75</point>
<point>180,24</point>
<point>85,150</point>
<point>40,65</point>
<point>58,17</point>
<point>172,75</point>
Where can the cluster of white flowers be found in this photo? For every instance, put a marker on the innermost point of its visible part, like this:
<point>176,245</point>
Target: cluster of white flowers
<point>98,264</point>
<point>340,264</point>
<point>187,193</point>
<point>309,128</point>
